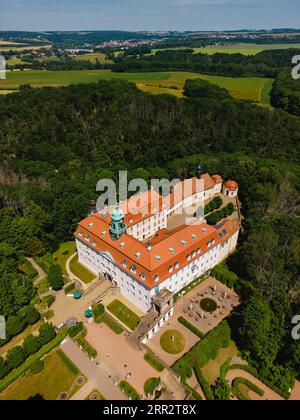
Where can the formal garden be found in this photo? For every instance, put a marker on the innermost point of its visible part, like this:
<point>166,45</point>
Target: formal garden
<point>53,376</point>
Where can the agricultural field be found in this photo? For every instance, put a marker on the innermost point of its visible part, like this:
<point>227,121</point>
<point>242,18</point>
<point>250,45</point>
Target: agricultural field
<point>22,47</point>
<point>13,61</point>
<point>93,57</point>
<point>245,49</point>
<point>251,88</point>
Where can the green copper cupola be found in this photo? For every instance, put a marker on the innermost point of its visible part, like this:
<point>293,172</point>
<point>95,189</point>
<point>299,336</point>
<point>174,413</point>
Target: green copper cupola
<point>117,226</point>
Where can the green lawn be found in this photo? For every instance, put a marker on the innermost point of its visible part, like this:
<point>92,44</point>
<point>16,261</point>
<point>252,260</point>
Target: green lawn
<point>124,314</point>
<point>172,341</point>
<point>60,257</point>
<point>212,369</point>
<point>80,271</point>
<point>252,88</point>
<point>56,377</point>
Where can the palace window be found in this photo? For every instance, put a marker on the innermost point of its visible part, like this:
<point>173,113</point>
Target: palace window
<point>133,269</point>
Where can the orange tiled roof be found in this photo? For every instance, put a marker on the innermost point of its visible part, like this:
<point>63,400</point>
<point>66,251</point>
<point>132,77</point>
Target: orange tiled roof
<point>171,250</point>
<point>231,185</point>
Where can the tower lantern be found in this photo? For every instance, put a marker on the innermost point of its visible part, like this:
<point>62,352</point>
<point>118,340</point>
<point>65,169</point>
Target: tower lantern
<point>117,226</point>
<point>198,170</point>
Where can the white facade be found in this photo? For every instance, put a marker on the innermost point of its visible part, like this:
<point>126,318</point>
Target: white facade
<point>140,295</point>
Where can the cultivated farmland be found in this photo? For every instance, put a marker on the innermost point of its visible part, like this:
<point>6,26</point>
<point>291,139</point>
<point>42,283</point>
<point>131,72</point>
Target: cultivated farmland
<point>252,88</point>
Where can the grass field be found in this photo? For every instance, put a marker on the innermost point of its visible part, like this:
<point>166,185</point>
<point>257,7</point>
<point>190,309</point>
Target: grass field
<point>66,249</point>
<point>245,49</point>
<point>93,57</point>
<point>56,377</point>
<point>22,47</point>
<point>252,88</point>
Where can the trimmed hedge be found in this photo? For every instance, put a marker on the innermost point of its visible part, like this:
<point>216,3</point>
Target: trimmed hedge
<point>204,384</point>
<point>153,361</point>
<point>190,327</point>
<point>75,330</point>
<point>205,350</point>
<point>15,374</point>
<point>98,310</point>
<point>129,391</point>
<point>225,367</point>
<point>265,381</point>
<point>68,289</point>
<point>242,381</point>
<point>86,347</point>
<point>224,275</point>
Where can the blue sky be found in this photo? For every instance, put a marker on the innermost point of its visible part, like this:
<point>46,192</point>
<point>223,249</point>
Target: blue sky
<point>148,14</point>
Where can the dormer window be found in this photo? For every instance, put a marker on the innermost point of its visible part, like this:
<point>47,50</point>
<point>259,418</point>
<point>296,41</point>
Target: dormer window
<point>188,257</point>
<point>94,243</point>
<point>91,225</point>
<point>198,251</point>
<point>103,233</point>
<point>156,277</point>
<point>143,276</point>
<point>133,269</point>
<point>124,263</point>
<point>158,258</point>
<point>138,254</point>
<point>172,250</point>
<point>194,254</point>
<point>171,268</point>
<point>80,233</point>
<point>183,243</point>
<point>194,236</point>
<point>204,230</point>
<point>176,265</point>
<point>86,237</point>
<point>122,244</point>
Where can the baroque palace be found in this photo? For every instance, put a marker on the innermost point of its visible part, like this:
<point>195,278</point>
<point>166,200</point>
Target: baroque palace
<point>146,247</point>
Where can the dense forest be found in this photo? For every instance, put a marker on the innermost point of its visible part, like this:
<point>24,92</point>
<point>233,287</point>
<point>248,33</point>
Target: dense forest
<point>56,143</point>
<point>286,93</point>
<point>263,64</point>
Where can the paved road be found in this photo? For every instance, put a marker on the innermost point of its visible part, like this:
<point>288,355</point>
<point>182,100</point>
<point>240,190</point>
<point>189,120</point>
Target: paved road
<point>97,376</point>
